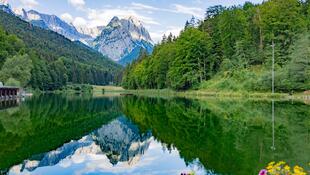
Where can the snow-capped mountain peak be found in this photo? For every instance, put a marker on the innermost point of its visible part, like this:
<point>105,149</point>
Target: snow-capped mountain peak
<point>114,22</point>
<point>134,20</point>
<point>4,2</point>
<point>5,6</point>
<point>33,15</point>
<point>123,39</point>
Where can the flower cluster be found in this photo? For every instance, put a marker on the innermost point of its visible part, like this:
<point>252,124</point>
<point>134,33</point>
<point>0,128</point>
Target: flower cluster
<point>281,168</point>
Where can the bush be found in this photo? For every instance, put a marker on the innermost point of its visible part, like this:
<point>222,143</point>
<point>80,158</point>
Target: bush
<point>12,82</point>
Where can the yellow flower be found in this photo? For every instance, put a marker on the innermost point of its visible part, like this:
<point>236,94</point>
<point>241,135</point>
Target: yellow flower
<point>269,167</point>
<point>281,168</point>
<point>287,168</point>
<point>281,163</point>
<point>299,170</point>
<point>271,163</point>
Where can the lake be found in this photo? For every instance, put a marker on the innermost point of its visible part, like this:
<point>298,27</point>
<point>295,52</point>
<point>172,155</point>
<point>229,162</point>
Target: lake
<point>55,134</point>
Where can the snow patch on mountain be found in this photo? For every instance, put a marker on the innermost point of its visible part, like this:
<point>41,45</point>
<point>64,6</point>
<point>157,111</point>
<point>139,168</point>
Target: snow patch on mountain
<point>93,32</point>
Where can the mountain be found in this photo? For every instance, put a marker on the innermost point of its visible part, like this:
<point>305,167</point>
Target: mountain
<point>53,23</point>
<point>119,141</point>
<point>123,39</point>
<point>122,141</point>
<point>4,6</point>
<point>81,64</point>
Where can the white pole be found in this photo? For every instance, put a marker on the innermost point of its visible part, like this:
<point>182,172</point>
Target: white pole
<point>273,74</point>
<point>273,131</point>
<point>273,117</point>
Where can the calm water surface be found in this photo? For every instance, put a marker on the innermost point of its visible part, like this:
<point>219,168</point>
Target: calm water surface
<point>62,135</point>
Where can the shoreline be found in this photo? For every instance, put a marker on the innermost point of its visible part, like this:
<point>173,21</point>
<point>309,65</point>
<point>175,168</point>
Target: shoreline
<point>197,94</point>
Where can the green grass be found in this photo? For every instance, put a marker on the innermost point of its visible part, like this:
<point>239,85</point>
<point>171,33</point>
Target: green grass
<point>197,94</point>
<point>204,94</point>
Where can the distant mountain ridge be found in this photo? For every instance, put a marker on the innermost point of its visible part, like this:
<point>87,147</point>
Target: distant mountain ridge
<point>122,40</point>
<point>4,6</point>
<point>54,23</point>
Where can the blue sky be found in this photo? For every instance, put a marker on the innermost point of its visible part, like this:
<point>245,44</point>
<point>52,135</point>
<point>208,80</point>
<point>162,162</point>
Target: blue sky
<point>158,16</point>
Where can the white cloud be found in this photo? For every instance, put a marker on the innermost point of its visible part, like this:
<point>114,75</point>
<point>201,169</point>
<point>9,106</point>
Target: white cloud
<point>158,35</point>
<point>79,21</point>
<point>29,3</point>
<point>77,3</point>
<point>197,12</point>
<point>102,17</point>
<point>175,30</point>
<point>176,8</point>
<point>67,17</point>
<point>139,6</point>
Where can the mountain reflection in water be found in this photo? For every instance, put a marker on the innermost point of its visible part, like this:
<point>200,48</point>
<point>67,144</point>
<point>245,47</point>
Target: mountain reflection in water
<point>117,147</point>
<point>52,134</point>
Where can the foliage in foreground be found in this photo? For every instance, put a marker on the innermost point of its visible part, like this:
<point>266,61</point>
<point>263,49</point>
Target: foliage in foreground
<point>281,168</point>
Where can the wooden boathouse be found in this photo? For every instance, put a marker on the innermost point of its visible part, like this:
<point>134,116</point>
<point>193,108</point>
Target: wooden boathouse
<point>7,92</point>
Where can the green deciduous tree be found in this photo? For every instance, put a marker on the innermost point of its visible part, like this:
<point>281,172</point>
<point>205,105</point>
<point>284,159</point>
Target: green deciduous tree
<point>191,61</point>
<point>19,68</point>
<point>281,20</point>
<point>12,82</point>
<point>10,45</point>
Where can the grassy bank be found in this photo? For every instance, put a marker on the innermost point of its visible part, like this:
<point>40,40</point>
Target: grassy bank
<point>98,90</point>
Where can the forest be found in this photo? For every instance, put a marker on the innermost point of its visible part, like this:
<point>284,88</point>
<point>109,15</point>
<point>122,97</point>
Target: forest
<point>231,50</point>
<point>44,60</point>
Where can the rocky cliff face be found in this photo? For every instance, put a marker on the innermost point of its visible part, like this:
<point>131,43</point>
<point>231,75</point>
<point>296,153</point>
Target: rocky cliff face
<point>53,23</point>
<point>123,39</point>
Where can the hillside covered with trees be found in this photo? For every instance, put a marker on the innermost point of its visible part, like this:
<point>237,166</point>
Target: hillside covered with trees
<point>42,59</point>
<point>231,49</point>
